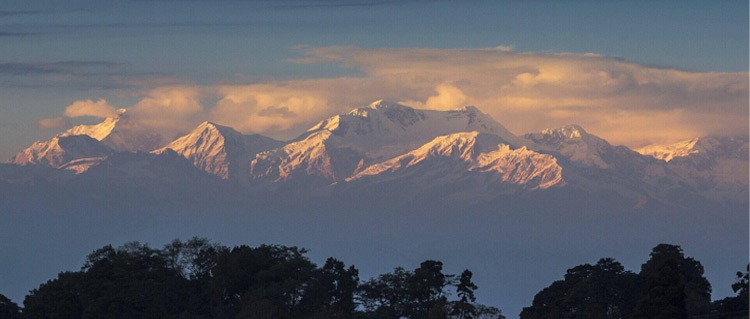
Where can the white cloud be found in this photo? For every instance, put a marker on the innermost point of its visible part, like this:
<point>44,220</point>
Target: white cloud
<point>100,109</point>
<point>170,110</point>
<point>448,97</point>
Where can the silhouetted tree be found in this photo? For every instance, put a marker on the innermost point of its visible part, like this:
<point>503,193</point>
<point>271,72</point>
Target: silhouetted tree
<point>331,292</point>
<point>8,309</point>
<point>696,290</point>
<point>666,293</point>
<point>194,259</point>
<point>387,295</point>
<point>426,291</point>
<point>58,298</point>
<point>604,290</point>
<point>200,280</point>
<point>735,307</point>
<point>464,307</point>
<point>263,282</point>
<point>133,281</point>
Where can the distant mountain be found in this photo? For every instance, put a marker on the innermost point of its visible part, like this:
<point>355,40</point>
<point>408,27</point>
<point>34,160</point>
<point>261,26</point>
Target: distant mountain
<point>592,163</point>
<point>343,145</point>
<point>455,155</point>
<point>220,150</point>
<point>705,148</point>
<point>61,150</point>
<point>668,152</point>
<point>714,166</point>
<point>121,134</point>
<point>469,159</point>
<point>585,149</point>
<point>84,145</point>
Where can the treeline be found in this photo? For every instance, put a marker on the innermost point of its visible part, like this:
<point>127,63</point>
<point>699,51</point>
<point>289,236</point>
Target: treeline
<point>198,279</point>
<point>669,285</point>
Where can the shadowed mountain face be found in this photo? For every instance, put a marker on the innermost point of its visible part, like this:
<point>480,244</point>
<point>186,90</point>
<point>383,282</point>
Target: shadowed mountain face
<point>408,184</point>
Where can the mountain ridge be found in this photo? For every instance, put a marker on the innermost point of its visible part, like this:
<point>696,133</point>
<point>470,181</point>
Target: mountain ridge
<point>219,150</point>
<point>385,143</point>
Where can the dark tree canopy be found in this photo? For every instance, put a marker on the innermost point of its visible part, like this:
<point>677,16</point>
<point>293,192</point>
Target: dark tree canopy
<point>425,287</point>
<point>695,287</point>
<point>603,290</point>
<point>197,279</point>
<point>464,308</point>
<point>200,280</point>
<point>332,290</point>
<point>421,294</point>
<point>738,306</point>
<point>669,285</point>
<point>8,309</point>
<point>131,281</point>
<point>666,293</point>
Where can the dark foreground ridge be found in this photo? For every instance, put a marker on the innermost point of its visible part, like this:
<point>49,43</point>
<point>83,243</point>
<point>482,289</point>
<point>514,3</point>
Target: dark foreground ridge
<point>199,279</point>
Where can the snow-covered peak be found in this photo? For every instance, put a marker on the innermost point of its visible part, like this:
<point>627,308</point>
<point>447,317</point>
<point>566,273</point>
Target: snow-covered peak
<point>97,131</point>
<point>212,128</point>
<point>704,147</point>
<point>120,133</point>
<point>206,134</point>
<point>60,150</point>
<point>572,131</point>
<point>219,150</point>
<point>471,153</point>
<point>464,145</point>
<point>101,130</point>
<point>573,142</point>
<point>668,152</point>
<point>341,145</point>
<point>79,142</point>
<point>715,166</point>
<point>380,117</point>
<point>385,104</point>
<point>383,128</point>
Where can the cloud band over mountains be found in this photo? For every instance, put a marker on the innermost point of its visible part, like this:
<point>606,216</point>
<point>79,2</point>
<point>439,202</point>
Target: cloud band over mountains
<point>624,102</point>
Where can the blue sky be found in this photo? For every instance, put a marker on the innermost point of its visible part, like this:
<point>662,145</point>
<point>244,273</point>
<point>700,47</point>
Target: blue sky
<point>53,53</point>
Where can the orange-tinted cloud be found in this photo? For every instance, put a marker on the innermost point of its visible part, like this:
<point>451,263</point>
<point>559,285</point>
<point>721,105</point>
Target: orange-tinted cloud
<point>100,109</point>
<point>624,102</point>
<point>169,110</point>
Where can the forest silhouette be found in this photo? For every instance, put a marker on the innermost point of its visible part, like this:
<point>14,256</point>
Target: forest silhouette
<point>199,279</point>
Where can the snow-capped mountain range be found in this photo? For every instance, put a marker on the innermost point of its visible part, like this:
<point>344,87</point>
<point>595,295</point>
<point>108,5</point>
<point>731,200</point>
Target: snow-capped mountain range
<point>386,145</point>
